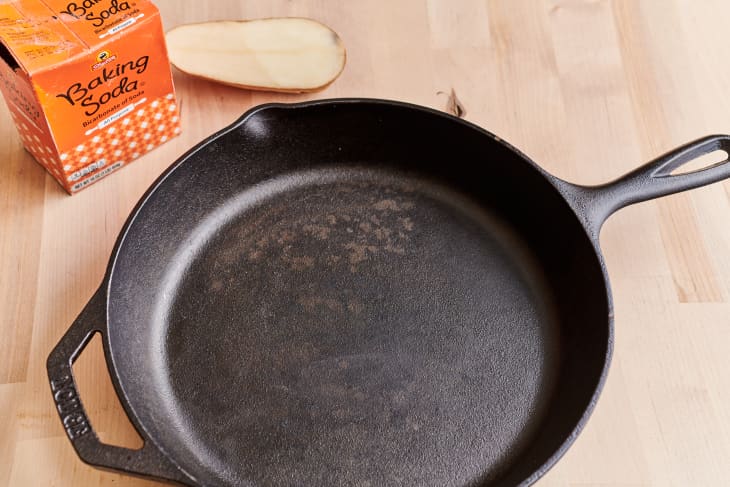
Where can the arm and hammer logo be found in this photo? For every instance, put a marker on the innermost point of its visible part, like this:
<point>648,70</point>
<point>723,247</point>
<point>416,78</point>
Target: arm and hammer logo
<point>102,59</point>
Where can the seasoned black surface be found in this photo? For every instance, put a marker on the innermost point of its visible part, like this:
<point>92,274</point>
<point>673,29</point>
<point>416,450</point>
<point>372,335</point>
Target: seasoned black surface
<point>453,332</point>
<point>355,329</point>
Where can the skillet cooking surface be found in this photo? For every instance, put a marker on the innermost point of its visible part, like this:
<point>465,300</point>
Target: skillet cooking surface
<point>353,293</point>
<point>354,320</point>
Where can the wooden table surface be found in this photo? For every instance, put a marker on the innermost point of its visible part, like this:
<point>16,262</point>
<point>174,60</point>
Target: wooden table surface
<point>588,88</point>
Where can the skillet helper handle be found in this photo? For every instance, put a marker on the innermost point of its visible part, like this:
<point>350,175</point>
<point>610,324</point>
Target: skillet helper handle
<point>147,461</point>
<point>655,179</point>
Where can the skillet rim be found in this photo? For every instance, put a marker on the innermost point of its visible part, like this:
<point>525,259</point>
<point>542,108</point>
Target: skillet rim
<point>563,188</point>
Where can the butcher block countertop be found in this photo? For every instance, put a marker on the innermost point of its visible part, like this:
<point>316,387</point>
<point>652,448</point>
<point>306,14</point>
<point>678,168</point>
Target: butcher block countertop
<point>589,89</point>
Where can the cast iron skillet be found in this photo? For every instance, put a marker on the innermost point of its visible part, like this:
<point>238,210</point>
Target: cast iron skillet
<point>357,292</point>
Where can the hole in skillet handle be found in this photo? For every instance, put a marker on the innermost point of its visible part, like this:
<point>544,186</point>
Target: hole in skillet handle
<point>103,408</point>
<point>706,161</point>
<point>695,160</point>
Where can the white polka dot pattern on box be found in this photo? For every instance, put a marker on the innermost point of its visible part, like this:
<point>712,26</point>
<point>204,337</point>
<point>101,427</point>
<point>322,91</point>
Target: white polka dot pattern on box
<point>37,142</point>
<point>124,141</point>
<point>121,142</point>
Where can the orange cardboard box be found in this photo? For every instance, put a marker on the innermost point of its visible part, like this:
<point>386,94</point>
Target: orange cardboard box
<point>88,83</point>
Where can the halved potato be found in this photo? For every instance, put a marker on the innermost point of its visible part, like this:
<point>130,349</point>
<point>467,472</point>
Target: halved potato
<point>279,54</point>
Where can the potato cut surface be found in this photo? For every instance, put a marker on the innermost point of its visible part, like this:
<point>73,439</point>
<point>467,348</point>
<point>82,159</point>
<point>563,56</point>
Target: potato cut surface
<point>279,54</point>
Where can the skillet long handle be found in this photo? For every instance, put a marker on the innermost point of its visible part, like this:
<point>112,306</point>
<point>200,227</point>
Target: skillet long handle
<point>652,180</point>
<point>147,461</point>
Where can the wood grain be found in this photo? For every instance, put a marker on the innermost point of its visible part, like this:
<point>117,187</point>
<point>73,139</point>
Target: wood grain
<point>588,88</point>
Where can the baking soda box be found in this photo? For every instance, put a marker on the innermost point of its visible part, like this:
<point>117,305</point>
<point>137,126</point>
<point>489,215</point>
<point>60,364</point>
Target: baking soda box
<point>88,84</point>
